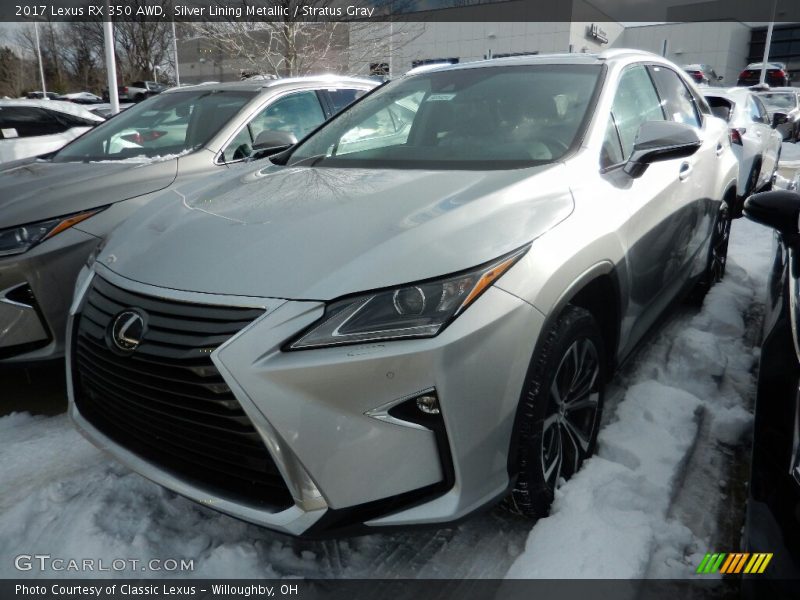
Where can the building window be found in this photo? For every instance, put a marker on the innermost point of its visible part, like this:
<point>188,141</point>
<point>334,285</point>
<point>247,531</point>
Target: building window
<point>433,61</point>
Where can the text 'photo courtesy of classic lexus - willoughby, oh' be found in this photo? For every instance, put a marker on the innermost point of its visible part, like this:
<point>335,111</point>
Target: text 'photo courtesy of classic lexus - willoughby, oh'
<point>412,313</point>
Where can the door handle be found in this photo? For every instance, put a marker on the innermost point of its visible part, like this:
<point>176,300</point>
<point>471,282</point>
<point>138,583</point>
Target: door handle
<point>686,170</point>
<point>720,148</point>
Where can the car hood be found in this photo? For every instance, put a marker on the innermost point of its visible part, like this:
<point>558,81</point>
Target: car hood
<point>319,233</point>
<point>34,190</point>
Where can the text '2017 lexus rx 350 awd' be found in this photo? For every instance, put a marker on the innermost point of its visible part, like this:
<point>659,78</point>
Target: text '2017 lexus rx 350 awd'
<point>413,312</point>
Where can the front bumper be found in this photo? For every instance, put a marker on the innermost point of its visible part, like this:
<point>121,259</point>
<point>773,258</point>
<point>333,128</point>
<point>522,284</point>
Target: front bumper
<point>320,413</point>
<point>33,329</point>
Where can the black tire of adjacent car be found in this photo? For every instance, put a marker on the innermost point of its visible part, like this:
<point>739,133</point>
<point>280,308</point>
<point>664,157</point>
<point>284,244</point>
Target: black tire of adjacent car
<point>717,255</point>
<point>569,361</point>
<point>138,97</point>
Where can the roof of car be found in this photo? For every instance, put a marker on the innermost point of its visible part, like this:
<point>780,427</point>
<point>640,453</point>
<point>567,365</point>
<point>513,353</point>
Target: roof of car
<point>65,107</point>
<point>781,90</point>
<point>261,84</point>
<point>770,65</point>
<point>726,92</point>
<point>574,58</point>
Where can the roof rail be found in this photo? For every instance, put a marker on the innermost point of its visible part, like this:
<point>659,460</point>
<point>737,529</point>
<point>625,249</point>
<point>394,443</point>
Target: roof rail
<point>618,52</point>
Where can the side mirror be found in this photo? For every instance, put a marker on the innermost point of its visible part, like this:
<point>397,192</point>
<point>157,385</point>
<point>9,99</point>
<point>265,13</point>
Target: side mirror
<point>779,210</point>
<point>779,118</point>
<point>660,140</point>
<point>271,141</point>
<point>720,78</point>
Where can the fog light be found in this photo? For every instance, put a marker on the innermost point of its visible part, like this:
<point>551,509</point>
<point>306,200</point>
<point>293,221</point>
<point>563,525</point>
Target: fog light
<point>428,404</point>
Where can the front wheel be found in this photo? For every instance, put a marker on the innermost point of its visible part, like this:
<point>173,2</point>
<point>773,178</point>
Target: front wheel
<point>560,409</point>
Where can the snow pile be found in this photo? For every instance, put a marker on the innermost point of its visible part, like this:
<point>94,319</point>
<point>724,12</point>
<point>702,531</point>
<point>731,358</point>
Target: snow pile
<point>605,519</point>
<point>612,520</point>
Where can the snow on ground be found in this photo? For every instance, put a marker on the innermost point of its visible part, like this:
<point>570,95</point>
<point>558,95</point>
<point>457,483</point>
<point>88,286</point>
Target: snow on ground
<point>617,518</point>
<point>613,518</point>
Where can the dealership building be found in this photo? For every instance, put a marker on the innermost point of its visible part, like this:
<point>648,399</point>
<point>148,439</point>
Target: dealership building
<point>468,33</point>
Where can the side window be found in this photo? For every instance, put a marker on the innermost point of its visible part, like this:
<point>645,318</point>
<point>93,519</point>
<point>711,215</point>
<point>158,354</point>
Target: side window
<point>678,102</point>
<point>297,113</point>
<point>342,98</point>
<point>635,103</point>
<point>29,121</point>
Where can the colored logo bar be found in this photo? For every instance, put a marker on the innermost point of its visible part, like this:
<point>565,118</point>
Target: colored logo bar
<point>734,563</point>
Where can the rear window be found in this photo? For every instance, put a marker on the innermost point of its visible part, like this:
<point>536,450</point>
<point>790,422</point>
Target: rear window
<point>777,101</point>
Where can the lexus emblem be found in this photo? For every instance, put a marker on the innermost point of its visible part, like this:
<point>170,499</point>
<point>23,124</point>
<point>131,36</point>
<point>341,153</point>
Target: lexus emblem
<point>127,330</point>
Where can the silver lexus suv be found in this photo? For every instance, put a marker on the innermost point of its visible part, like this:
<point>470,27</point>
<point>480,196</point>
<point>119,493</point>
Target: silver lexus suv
<point>412,313</point>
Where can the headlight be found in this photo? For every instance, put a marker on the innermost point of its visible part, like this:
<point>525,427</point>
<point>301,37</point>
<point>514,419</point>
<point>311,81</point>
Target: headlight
<point>417,310</point>
<point>21,239</point>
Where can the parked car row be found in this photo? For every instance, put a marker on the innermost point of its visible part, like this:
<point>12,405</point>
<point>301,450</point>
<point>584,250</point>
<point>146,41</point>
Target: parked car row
<point>754,138</point>
<point>137,91</point>
<point>446,269</point>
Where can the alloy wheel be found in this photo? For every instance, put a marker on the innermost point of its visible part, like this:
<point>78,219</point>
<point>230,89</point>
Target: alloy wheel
<point>719,246</point>
<point>571,416</point>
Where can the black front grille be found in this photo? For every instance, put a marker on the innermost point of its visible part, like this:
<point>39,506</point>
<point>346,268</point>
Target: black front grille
<point>166,401</point>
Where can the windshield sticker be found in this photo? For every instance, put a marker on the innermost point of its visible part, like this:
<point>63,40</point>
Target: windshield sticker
<point>440,97</point>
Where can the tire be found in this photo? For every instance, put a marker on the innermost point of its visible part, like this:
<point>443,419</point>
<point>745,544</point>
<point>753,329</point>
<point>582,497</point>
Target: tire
<point>138,97</point>
<point>717,255</point>
<point>553,440</point>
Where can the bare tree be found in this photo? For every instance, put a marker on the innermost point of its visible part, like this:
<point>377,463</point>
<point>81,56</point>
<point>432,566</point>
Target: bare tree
<point>14,70</point>
<point>143,44</point>
<point>288,46</point>
<point>51,51</point>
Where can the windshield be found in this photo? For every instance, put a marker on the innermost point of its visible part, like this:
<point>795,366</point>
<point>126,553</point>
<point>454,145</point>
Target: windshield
<point>478,118</point>
<point>163,126</point>
<point>779,101</point>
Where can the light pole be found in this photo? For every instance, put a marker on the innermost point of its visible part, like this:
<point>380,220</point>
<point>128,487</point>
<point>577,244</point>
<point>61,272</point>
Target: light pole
<point>762,78</point>
<point>175,52</point>
<point>111,61</point>
<point>39,55</point>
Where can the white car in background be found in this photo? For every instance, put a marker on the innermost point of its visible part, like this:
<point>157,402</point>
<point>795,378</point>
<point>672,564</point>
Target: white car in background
<point>81,98</point>
<point>35,127</point>
<point>755,142</point>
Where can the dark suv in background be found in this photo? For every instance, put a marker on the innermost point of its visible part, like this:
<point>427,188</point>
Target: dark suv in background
<point>777,75</point>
